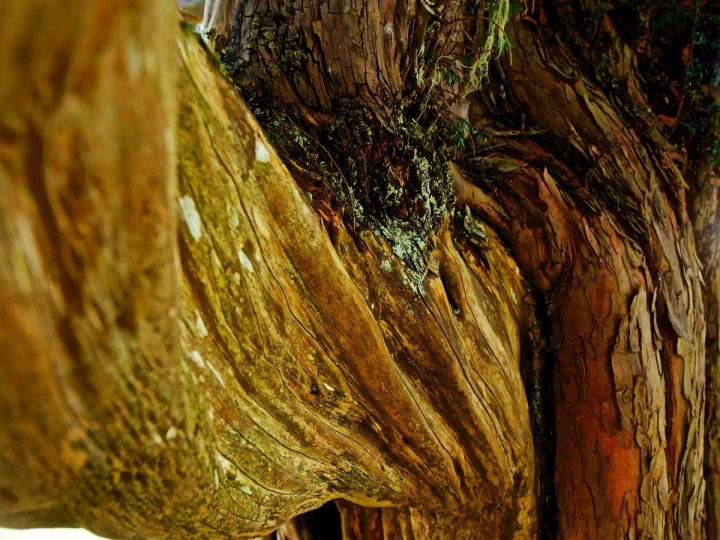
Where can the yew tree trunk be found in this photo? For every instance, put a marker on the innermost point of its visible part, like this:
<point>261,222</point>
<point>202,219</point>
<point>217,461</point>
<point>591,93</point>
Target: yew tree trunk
<point>452,265</point>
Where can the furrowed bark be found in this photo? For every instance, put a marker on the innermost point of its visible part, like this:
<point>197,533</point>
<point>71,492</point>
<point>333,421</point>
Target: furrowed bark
<point>706,219</point>
<point>621,280</point>
<point>220,374</point>
<point>367,410</point>
<point>217,384</point>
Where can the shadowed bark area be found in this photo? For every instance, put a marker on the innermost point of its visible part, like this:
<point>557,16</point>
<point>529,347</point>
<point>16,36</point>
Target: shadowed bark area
<point>210,328</point>
<point>706,215</point>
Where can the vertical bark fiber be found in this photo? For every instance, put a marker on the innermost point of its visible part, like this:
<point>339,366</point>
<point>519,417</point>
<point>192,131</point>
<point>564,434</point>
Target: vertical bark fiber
<point>369,409</point>
<point>708,227</point>
<point>87,281</point>
<point>197,347</point>
<point>276,370</point>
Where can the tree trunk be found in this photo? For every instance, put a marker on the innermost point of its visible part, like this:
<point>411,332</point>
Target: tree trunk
<point>460,291</point>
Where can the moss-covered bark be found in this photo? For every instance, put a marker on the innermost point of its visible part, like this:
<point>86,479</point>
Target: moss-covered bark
<point>469,315</point>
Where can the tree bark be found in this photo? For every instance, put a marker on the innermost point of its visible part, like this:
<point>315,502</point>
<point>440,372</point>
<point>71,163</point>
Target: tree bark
<point>87,278</point>
<point>210,329</point>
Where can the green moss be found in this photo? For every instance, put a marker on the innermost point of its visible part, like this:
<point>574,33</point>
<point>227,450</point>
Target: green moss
<point>393,180</point>
<point>498,15</point>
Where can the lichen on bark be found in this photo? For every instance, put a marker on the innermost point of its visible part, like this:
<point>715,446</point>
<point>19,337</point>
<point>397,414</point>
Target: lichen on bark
<point>192,350</point>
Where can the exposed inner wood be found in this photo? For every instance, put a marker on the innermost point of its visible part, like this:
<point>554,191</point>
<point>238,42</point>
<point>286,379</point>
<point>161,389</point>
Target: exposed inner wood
<point>194,348</point>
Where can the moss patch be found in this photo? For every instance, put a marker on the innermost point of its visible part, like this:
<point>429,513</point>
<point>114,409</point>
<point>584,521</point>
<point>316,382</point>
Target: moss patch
<point>393,180</point>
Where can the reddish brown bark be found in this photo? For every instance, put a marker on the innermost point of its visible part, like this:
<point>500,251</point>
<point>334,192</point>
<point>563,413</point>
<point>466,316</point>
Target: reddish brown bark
<point>621,281</point>
<point>217,376</point>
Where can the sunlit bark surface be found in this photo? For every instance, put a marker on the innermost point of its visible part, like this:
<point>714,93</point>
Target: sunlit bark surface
<point>194,348</point>
<point>619,275</point>
<point>329,374</point>
<point>281,368</point>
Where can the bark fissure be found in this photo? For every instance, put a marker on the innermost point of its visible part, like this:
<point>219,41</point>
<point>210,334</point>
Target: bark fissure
<point>220,343</point>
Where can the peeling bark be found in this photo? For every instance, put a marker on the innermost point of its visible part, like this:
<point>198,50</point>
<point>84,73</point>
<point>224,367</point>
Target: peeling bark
<point>706,223</point>
<point>194,349</point>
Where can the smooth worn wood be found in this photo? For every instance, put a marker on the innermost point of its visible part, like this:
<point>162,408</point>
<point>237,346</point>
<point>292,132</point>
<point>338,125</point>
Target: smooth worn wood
<point>462,312</point>
<point>283,367</point>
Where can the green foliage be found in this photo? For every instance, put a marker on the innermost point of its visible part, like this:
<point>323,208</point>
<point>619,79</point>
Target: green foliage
<point>453,61</point>
<point>714,146</point>
<point>461,136</point>
<point>676,47</point>
<point>700,116</point>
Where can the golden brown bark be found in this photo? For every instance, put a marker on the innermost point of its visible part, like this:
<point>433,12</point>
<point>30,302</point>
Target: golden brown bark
<point>350,381</point>
<point>192,349</point>
<point>620,275</point>
<point>278,370</point>
<point>90,365</point>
